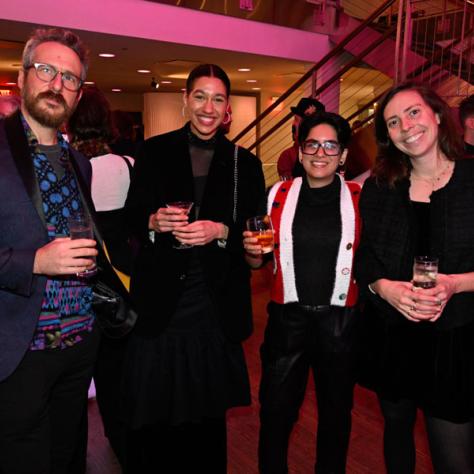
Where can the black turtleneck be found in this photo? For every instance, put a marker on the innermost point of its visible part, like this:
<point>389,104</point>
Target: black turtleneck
<point>202,152</point>
<point>316,237</point>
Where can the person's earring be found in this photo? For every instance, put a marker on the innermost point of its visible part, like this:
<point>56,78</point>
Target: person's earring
<point>183,111</point>
<point>227,118</point>
<point>341,163</point>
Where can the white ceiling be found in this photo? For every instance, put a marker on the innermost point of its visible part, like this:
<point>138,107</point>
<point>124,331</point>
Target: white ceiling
<point>167,61</point>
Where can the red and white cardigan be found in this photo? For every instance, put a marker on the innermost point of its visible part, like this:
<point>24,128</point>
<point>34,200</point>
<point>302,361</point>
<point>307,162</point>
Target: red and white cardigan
<point>281,204</point>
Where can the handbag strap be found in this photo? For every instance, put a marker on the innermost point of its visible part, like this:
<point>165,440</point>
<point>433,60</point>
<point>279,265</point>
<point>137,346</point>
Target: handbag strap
<point>236,179</point>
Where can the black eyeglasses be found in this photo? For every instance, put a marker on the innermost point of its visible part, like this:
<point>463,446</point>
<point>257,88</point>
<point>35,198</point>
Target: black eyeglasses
<point>330,147</point>
<point>47,73</point>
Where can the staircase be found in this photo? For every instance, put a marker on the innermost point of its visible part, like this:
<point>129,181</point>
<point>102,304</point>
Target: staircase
<point>427,41</point>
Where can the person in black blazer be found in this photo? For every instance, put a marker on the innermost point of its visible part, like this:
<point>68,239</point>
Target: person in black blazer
<point>420,201</point>
<point>48,340</point>
<point>185,365</point>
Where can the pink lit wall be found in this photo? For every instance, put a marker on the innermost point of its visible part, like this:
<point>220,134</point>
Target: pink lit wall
<point>142,19</point>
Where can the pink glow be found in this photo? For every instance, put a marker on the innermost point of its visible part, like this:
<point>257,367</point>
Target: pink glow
<point>142,19</point>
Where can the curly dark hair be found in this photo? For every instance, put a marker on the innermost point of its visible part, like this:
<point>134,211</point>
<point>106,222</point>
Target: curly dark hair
<point>340,124</point>
<point>392,164</point>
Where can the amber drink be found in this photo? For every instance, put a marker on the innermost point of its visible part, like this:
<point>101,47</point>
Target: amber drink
<point>262,229</point>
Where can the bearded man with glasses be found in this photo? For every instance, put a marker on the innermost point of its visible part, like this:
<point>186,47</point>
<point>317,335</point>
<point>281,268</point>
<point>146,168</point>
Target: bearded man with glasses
<point>48,342</point>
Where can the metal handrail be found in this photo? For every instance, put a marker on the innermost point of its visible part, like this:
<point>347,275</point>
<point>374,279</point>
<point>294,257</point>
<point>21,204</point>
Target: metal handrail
<point>326,84</point>
<point>335,51</point>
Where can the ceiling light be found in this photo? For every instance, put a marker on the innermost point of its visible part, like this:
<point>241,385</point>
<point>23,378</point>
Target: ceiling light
<point>255,88</point>
<point>107,55</point>
<point>154,84</point>
<point>251,80</point>
<point>244,69</point>
<point>89,83</point>
<point>143,71</point>
<point>166,82</point>
<point>116,90</point>
<point>10,83</point>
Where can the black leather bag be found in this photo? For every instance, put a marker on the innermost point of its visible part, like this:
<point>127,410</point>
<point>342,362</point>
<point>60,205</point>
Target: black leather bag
<point>111,304</point>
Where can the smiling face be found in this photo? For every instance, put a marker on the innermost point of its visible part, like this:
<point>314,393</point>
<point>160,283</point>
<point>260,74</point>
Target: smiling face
<point>206,104</point>
<point>320,168</point>
<point>412,125</point>
<point>49,103</point>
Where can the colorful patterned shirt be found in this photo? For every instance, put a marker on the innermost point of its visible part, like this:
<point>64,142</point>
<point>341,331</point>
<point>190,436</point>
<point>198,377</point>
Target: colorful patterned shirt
<point>66,312</point>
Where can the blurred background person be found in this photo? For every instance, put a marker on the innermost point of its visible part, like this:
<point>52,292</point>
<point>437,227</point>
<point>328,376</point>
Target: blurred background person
<point>185,366</point>
<point>312,319</point>
<point>418,202</point>
<point>90,131</point>
<point>288,164</point>
<point>125,141</point>
<point>9,104</point>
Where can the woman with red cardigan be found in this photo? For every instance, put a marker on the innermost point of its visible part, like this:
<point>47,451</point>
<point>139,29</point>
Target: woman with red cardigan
<point>312,317</point>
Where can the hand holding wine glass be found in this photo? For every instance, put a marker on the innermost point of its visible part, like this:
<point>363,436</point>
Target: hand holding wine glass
<point>180,208</point>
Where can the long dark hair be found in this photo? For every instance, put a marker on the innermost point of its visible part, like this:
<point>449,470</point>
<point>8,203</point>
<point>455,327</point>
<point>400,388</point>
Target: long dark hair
<point>207,70</point>
<point>392,164</point>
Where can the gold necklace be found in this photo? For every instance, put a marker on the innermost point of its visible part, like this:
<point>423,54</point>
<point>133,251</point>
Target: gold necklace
<point>435,179</point>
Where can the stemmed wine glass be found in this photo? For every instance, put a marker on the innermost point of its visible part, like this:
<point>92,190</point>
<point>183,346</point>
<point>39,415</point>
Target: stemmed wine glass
<point>185,207</point>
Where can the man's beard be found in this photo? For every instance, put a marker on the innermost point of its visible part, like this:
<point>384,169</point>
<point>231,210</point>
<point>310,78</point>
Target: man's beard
<point>42,113</point>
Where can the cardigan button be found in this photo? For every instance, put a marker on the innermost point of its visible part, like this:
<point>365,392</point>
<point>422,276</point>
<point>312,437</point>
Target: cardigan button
<point>182,276</point>
<point>342,296</point>
<point>348,246</point>
<point>346,271</point>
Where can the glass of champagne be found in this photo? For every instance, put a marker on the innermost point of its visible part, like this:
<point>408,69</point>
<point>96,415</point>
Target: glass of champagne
<point>425,271</point>
<point>262,229</point>
<point>185,207</point>
<point>80,227</point>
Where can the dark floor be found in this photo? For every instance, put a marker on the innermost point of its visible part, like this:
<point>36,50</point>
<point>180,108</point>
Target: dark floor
<point>365,452</point>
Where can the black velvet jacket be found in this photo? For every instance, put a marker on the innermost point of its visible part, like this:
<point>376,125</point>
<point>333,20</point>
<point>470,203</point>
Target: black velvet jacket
<point>162,174</point>
<point>388,239</point>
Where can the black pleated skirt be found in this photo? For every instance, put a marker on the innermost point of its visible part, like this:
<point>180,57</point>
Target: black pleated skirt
<point>419,362</point>
<point>190,371</point>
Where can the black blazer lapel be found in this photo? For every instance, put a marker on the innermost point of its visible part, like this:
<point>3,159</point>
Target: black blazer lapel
<point>22,157</point>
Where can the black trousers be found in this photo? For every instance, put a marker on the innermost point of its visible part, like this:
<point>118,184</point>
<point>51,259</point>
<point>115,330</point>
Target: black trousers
<point>108,375</point>
<point>297,339</point>
<point>43,411</point>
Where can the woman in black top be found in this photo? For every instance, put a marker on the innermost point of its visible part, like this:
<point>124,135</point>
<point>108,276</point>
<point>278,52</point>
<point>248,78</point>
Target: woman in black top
<point>185,365</point>
<point>312,322</point>
<point>420,201</point>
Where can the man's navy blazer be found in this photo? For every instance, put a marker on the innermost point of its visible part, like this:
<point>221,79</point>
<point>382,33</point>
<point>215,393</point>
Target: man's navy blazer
<point>22,232</point>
